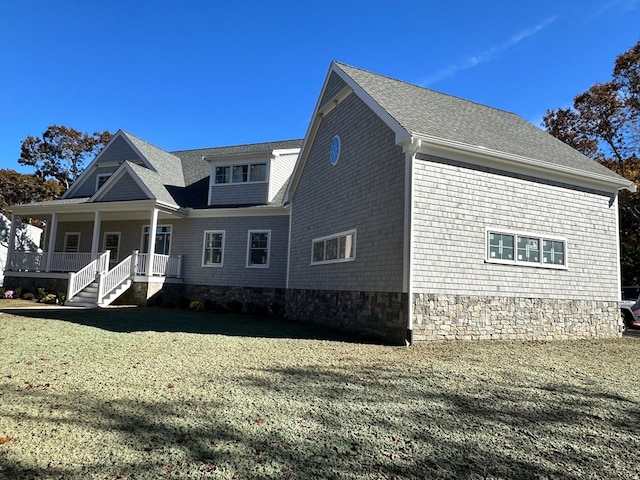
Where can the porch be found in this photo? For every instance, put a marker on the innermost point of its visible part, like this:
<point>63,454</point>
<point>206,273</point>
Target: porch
<point>86,279</point>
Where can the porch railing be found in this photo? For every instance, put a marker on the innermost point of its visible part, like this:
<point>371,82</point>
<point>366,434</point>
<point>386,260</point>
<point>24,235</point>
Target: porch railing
<point>59,261</point>
<point>161,265</point>
<point>112,279</point>
<point>86,275</point>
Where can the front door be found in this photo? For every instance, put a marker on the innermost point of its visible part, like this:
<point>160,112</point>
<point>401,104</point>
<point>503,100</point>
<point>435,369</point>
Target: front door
<point>112,243</point>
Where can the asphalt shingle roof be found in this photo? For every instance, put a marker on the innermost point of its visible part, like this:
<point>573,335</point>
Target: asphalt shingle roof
<point>421,111</point>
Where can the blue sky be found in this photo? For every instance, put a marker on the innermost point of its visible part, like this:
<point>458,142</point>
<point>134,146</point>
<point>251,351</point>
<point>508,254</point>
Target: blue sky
<point>194,74</point>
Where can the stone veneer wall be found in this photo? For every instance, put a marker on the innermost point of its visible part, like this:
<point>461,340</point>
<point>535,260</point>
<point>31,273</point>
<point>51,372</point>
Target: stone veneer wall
<point>379,315</point>
<point>456,317</point>
<point>31,284</point>
<point>253,299</point>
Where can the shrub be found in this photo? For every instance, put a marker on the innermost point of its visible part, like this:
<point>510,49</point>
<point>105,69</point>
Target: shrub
<point>183,303</point>
<point>50,298</point>
<point>17,293</point>
<point>8,294</point>
<point>28,296</point>
<point>210,305</point>
<point>1,292</point>
<point>41,294</point>
<point>196,306</point>
<point>234,306</point>
<point>61,297</point>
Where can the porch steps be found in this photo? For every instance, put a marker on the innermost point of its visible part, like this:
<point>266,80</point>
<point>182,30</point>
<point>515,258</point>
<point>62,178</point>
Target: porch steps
<point>86,298</point>
<point>123,287</point>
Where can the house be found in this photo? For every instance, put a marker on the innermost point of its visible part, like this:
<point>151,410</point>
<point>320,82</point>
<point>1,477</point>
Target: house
<point>404,214</point>
<point>26,237</point>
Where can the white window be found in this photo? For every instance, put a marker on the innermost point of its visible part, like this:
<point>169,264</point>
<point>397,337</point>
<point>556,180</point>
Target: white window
<point>340,247</point>
<point>213,249</point>
<point>72,242</point>
<point>162,239</point>
<point>259,243</point>
<point>250,172</point>
<point>101,179</point>
<point>529,249</point>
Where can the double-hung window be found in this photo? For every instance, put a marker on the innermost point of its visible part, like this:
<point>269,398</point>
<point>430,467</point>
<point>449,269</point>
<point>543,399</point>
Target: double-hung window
<point>526,249</point>
<point>259,244</point>
<point>213,250</point>
<point>340,247</point>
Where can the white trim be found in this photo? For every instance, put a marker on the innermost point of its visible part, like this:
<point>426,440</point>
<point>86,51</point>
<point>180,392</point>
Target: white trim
<point>478,155</point>
<point>64,246</point>
<point>99,176</point>
<point>204,247</point>
<point>522,263</point>
<point>115,177</point>
<point>618,259</point>
<point>260,265</point>
<point>335,236</point>
<point>239,212</point>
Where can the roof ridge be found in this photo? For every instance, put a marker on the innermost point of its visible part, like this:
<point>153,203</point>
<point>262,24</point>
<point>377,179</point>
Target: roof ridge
<point>414,85</point>
<point>238,145</point>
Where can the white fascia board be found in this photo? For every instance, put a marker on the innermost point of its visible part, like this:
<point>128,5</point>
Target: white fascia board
<point>238,212</point>
<point>285,151</point>
<point>483,156</point>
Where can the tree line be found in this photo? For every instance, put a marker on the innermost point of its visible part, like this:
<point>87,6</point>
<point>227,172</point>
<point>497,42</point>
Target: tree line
<point>603,123</point>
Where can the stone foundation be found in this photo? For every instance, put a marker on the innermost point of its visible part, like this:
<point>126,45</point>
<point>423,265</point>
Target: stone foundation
<point>33,283</point>
<point>379,315</point>
<point>253,300</point>
<point>454,317</point>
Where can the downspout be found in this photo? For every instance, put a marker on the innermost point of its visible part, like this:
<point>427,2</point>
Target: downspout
<point>407,281</point>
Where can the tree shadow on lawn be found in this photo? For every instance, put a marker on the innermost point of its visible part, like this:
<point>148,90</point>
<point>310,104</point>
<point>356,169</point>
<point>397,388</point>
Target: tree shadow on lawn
<point>141,319</point>
<point>379,426</point>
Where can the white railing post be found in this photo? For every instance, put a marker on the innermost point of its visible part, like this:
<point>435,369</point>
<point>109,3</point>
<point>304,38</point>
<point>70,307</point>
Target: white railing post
<point>134,262</point>
<point>72,278</point>
<point>179,272</point>
<point>101,287</point>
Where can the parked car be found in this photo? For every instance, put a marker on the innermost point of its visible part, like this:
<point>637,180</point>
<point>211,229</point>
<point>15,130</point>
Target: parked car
<point>630,306</point>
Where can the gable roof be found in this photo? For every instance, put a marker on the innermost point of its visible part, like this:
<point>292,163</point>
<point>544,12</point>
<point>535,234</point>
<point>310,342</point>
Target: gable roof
<point>421,116</point>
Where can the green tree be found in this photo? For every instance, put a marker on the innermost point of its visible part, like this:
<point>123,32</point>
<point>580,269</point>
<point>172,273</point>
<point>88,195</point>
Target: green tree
<point>61,152</point>
<point>604,124</point>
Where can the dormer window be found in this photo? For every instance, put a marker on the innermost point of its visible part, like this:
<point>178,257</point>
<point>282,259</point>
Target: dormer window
<point>101,179</point>
<point>254,172</point>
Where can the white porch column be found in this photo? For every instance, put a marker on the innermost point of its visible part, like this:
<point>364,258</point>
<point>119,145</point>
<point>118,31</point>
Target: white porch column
<point>95,241</point>
<point>53,227</point>
<point>11,241</point>
<point>153,226</point>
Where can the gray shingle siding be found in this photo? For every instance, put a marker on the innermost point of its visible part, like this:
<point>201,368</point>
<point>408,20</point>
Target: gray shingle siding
<point>125,189</point>
<point>239,194</point>
<point>334,85</point>
<point>454,204</point>
<point>363,191</point>
<point>118,151</point>
<point>188,240</point>
<point>88,186</point>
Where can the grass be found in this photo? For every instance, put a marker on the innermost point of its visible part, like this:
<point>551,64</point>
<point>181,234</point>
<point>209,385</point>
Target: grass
<point>145,393</point>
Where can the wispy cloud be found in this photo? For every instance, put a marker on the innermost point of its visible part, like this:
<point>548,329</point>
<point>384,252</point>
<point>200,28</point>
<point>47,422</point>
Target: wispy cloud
<point>620,5</point>
<point>488,54</point>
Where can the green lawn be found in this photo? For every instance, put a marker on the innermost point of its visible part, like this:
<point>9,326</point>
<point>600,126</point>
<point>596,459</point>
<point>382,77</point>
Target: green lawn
<point>145,393</point>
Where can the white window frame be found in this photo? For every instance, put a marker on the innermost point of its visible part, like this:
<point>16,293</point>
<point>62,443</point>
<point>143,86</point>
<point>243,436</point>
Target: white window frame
<point>157,226</point>
<point>524,263</point>
<point>258,265</point>
<point>231,166</point>
<point>66,236</point>
<point>204,249</point>
<point>99,176</point>
<point>113,259</point>
<point>336,236</point>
